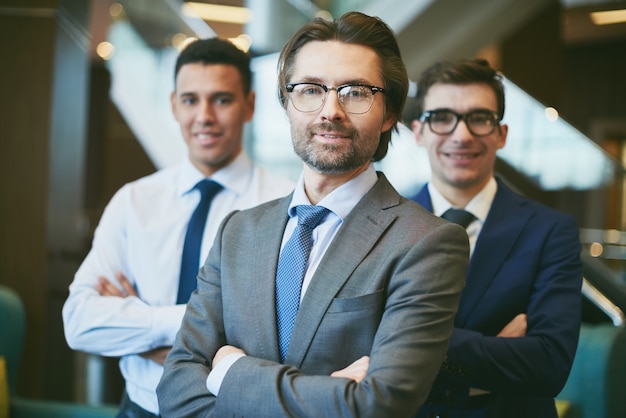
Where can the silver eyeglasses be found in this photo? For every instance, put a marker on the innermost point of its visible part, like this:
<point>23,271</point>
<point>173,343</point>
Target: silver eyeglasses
<point>479,122</point>
<point>353,98</point>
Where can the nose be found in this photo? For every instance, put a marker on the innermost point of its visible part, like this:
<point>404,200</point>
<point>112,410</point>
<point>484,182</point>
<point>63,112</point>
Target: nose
<point>331,109</point>
<point>462,133</point>
<point>206,113</point>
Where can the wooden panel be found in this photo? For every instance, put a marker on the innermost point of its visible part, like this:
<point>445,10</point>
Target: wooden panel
<point>26,86</point>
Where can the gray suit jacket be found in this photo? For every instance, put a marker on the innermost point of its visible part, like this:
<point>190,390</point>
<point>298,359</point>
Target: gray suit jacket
<point>388,287</point>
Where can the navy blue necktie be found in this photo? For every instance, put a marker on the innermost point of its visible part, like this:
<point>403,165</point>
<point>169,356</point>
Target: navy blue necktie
<point>193,240</point>
<point>291,269</point>
<point>458,216</point>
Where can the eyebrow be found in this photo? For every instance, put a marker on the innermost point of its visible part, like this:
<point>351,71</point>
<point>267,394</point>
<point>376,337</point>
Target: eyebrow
<point>475,109</point>
<point>212,95</point>
<point>320,81</point>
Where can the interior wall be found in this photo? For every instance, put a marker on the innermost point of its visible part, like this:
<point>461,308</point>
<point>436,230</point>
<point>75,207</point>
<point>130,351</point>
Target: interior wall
<point>532,57</point>
<point>25,121</point>
<point>48,202</point>
<point>585,82</point>
<point>66,224</point>
<point>595,85</point>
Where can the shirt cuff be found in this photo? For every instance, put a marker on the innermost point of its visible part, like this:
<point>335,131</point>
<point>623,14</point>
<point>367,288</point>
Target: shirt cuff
<point>216,376</point>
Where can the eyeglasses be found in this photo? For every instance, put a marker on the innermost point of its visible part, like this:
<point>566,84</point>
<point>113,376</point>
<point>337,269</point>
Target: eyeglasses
<point>353,98</point>
<point>445,121</point>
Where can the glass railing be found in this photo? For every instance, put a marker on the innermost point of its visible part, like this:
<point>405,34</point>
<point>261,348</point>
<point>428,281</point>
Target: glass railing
<point>604,263</point>
<point>548,150</point>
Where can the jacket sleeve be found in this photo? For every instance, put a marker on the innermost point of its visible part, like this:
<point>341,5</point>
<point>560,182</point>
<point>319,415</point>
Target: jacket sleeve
<point>420,300</point>
<point>539,362</point>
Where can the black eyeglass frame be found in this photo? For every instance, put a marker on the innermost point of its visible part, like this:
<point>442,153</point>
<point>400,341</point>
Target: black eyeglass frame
<point>428,114</point>
<point>374,89</point>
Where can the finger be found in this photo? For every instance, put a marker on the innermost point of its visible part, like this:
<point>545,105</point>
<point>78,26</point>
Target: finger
<point>103,286</point>
<point>128,288</point>
<point>108,288</point>
<point>99,288</point>
<point>355,371</point>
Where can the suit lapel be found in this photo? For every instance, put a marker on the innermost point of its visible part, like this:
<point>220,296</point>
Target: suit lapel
<point>423,198</point>
<point>354,240</point>
<point>505,221</point>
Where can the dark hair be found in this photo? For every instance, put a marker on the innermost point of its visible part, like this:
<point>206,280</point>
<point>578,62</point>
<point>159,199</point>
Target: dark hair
<point>361,29</point>
<point>216,51</point>
<point>464,71</point>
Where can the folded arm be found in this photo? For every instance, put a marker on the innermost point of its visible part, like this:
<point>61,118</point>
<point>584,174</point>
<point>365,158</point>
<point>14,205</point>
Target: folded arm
<point>423,287</point>
<point>104,314</point>
<point>534,352</point>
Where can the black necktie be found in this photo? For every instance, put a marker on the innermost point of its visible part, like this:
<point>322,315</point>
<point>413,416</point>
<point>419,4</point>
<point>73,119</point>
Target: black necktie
<point>458,216</point>
<point>193,240</point>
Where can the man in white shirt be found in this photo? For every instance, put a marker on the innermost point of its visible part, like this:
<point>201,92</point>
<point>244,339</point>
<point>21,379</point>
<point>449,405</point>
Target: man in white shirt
<point>123,300</point>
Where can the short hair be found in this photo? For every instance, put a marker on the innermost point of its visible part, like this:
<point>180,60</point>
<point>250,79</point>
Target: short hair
<point>216,51</point>
<point>354,28</point>
<point>463,71</point>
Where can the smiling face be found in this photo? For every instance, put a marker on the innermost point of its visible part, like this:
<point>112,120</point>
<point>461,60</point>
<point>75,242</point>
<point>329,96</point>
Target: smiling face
<point>210,105</point>
<point>460,161</point>
<point>329,140</point>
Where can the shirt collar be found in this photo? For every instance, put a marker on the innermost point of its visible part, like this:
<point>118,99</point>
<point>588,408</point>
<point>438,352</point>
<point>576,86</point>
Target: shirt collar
<point>343,199</point>
<point>235,176</point>
<point>479,205</point>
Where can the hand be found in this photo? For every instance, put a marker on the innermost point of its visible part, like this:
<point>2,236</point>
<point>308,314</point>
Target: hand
<point>106,288</point>
<point>157,355</point>
<point>356,371</point>
<point>515,328</point>
<point>223,352</point>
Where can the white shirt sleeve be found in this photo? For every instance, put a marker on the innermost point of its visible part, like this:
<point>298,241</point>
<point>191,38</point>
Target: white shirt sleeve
<point>109,325</point>
<point>216,376</point>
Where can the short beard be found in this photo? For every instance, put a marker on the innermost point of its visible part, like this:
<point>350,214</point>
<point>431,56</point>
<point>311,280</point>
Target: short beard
<point>330,158</point>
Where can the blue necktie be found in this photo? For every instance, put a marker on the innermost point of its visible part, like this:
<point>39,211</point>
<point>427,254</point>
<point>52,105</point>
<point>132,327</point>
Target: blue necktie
<point>290,272</point>
<point>193,240</point>
<point>458,216</point>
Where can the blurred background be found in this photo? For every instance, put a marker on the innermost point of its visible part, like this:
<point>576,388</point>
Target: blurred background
<point>84,108</point>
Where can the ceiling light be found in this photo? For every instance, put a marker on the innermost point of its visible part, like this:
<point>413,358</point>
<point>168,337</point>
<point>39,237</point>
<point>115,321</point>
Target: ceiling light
<point>242,42</point>
<point>105,50</point>
<point>551,114</point>
<point>180,41</point>
<point>218,13</point>
<point>609,17</point>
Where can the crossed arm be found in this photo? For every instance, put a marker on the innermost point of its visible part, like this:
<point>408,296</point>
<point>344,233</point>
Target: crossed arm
<point>355,371</point>
<point>515,328</point>
<point>106,288</point>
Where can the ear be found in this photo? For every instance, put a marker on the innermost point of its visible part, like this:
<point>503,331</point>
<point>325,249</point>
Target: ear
<point>250,103</point>
<point>173,104</point>
<point>504,131</point>
<point>388,122</point>
<point>416,127</point>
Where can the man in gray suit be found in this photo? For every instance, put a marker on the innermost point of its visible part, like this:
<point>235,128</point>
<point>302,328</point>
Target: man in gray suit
<point>376,303</point>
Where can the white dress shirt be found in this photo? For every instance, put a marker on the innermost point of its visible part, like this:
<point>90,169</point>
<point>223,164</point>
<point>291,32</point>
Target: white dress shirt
<point>141,234</point>
<point>479,207</point>
<point>340,202</point>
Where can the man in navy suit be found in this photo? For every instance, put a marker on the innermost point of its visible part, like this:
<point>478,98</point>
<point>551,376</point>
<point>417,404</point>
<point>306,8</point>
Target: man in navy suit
<point>517,327</point>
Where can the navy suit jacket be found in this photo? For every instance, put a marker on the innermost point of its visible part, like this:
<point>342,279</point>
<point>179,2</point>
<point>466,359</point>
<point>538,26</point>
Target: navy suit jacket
<point>526,260</point>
